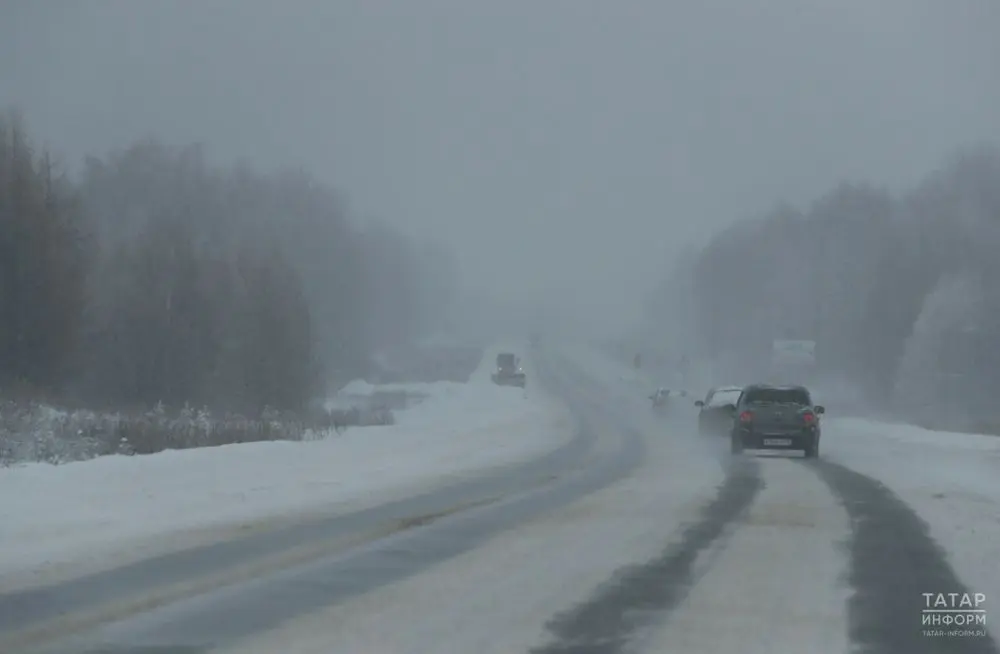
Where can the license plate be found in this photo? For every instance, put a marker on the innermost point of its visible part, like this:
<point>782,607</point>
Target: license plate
<point>777,441</point>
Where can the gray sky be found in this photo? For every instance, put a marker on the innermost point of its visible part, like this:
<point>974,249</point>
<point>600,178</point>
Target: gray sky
<point>591,138</point>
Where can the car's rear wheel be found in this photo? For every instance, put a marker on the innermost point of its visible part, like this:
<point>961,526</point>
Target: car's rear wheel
<point>735,445</point>
<point>812,449</point>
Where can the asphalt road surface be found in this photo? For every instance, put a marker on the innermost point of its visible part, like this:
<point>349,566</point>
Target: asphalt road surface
<point>638,536</point>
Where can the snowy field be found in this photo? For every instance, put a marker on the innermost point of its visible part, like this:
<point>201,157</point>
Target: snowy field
<point>65,520</point>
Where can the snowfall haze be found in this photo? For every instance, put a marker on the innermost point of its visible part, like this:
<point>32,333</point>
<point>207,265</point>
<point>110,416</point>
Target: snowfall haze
<point>264,266</point>
<point>565,151</point>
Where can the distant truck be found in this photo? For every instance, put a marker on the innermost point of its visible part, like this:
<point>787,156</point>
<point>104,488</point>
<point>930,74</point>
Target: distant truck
<point>509,371</point>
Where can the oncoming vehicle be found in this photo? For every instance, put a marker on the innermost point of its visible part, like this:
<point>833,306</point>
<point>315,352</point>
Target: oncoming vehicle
<point>776,418</point>
<point>716,411</point>
<point>509,371</point>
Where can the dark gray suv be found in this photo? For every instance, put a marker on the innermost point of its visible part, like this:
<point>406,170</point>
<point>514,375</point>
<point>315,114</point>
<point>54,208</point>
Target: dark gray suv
<point>776,418</point>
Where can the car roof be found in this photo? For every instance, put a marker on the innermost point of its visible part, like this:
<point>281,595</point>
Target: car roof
<point>722,389</point>
<point>777,387</point>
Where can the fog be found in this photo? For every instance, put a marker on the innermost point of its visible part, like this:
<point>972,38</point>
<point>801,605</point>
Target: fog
<point>565,151</point>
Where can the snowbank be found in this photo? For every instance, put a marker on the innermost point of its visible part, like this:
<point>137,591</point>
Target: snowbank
<point>951,480</point>
<point>361,388</point>
<point>942,442</point>
<point>104,511</point>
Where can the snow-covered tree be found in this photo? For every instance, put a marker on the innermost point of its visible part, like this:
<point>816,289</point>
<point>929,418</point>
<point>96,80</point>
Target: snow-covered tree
<point>934,372</point>
<point>855,270</point>
<point>160,277</point>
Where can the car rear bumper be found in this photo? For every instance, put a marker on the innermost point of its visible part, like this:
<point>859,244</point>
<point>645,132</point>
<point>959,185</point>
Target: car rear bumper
<point>785,440</point>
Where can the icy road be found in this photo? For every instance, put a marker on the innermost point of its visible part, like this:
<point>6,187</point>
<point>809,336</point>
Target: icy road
<point>609,532</point>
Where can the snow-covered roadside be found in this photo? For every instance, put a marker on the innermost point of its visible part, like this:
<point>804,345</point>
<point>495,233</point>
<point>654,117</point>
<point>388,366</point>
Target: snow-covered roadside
<point>92,514</point>
<point>951,480</point>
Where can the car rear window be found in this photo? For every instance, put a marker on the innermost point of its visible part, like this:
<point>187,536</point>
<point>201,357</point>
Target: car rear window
<point>721,398</point>
<point>777,396</point>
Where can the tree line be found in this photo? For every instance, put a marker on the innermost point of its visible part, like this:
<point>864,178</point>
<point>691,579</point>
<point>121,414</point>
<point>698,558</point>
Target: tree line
<point>154,277</point>
<point>899,291</point>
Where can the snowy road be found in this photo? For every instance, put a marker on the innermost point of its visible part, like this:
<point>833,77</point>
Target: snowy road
<point>636,536</point>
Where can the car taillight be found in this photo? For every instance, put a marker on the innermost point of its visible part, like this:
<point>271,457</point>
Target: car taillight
<point>746,416</point>
<point>809,417</point>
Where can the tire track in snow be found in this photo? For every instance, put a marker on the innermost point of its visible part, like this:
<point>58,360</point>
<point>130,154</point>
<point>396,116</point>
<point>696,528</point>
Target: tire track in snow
<point>776,583</point>
<point>893,561</point>
<point>606,622</point>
